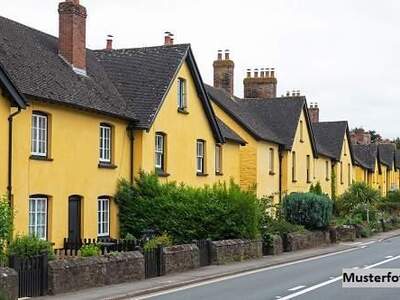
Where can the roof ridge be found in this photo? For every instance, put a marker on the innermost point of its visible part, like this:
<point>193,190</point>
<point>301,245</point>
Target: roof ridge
<point>143,48</point>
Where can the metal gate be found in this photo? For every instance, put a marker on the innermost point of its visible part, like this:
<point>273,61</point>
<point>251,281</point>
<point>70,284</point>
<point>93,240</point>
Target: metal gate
<point>205,251</point>
<point>153,262</point>
<point>32,275</point>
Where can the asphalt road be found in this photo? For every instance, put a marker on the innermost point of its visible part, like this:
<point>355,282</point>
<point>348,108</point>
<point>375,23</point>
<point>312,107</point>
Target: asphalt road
<point>317,278</point>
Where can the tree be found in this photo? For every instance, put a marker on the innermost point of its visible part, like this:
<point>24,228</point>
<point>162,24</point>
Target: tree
<point>375,137</point>
<point>397,142</point>
<point>6,218</point>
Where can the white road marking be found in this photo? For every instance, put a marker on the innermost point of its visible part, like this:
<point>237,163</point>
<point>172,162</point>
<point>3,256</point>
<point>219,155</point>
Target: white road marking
<point>352,244</point>
<point>193,285</point>
<point>331,277</point>
<point>369,243</point>
<point>297,288</point>
<point>389,256</point>
<point>278,297</point>
<point>317,286</point>
<point>362,247</point>
<point>356,268</point>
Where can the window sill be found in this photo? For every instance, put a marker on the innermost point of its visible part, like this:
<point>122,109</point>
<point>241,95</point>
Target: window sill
<point>162,173</point>
<point>103,165</point>
<point>42,158</point>
<point>301,141</point>
<point>201,174</point>
<point>271,173</point>
<point>294,180</point>
<point>183,111</point>
<point>219,174</point>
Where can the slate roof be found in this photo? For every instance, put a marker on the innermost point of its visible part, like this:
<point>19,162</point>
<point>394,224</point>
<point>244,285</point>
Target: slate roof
<point>329,137</point>
<point>143,75</point>
<point>273,120</point>
<point>397,159</point>
<point>386,153</point>
<point>365,155</point>
<point>10,89</point>
<point>229,134</point>
<point>31,58</point>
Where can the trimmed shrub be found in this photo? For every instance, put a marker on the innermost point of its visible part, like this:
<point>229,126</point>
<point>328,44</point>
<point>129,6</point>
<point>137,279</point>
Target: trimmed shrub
<point>316,189</point>
<point>90,250</point>
<point>187,213</point>
<point>308,209</point>
<point>6,226</point>
<point>29,246</point>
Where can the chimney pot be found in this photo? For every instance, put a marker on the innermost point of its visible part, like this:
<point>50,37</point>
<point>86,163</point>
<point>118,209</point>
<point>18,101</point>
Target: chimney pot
<point>227,54</point>
<point>262,73</point>
<point>248,73</point>
<point>267,73</point>
<point>255,73</point>
<point>219,54</point>
<point>272,72</point>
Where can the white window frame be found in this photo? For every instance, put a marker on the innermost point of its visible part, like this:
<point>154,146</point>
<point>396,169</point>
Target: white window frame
<point>39,135</point>
<point>103,216</point>
<point>105,143</point>
<point>182,94</point>
<point>159,151</point>
<point>218,159</point>
<point>200,154</point>
<point>34,216</point>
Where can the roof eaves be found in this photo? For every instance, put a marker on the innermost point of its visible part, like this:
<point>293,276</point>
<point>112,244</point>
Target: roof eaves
<point>16,96</point>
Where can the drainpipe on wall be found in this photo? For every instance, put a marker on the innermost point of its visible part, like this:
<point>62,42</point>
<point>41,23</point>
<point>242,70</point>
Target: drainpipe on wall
<point>280,173</point>
<point>131,134</point>
<point>10,151</point>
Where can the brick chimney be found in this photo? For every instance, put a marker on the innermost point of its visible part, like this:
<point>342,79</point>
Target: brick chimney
<point>313,112</point>
<point>109,45</point>
<point>168,38</point>
<point>263,86</point>
<point>360,136</point>
<point>224,72</point>
<point>72,34</point>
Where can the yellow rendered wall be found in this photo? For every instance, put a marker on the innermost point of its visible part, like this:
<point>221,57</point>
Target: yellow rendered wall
<point>254,160</point>
<point>345,159</point>
<point>182,131</point>
<point>320,174</point>
<point>382,179</point>
<point>74,140</point>
<point>360,174</point>
<point>4,113</point>
<point>302,149</point>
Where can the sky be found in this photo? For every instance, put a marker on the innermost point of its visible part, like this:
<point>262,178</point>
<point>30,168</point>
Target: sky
<point>344,55</point>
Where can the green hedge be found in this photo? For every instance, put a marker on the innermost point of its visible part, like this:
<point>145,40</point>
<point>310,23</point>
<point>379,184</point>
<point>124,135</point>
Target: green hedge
<point>187,213</point>
<point>307,209</point>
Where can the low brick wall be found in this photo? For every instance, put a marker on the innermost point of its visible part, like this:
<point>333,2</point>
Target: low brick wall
<point>346,233</point>
<point>8,284</point>
<point>181,258</point>
<point>227,251</point>
<point>276,246</point>
<point>306,240</point>
<point>80,273</point>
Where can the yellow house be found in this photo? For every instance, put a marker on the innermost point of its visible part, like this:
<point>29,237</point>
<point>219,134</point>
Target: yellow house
<point>95,117</point>
<point>333,140</point>
<point>387,175</point>
<point>366,167</point>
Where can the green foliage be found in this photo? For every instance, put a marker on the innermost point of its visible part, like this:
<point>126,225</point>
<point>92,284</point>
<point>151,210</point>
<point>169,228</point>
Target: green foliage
<point>90,250</point>
<point>333,185</point>
<point>308,209</point>
<point>359,199</point>
<point>187,213</point>
<point>163,240</point>
<point>6,226</point>
<point>3,295</point>
<point>281,226</point>
<point>29,246</point>
<point>316,189</point>
<point>129,237</point>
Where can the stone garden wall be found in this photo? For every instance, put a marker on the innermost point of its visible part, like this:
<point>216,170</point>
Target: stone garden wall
<point>306,240</point>
<point>227,251</point>
<point>181,258</point>
<point>8,284</point>
<point>80,273</point>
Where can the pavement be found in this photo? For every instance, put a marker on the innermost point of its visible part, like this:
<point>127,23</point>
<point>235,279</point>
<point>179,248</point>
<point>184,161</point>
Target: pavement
<point>306,274</point>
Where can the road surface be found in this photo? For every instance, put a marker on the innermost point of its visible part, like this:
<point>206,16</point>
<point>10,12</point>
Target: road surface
<point>310,279</point>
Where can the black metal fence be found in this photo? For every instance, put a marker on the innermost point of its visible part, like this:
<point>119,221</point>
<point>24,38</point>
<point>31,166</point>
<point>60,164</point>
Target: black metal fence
<point>205,251</point>
<point>32,274</point>
<point>153,262</point>
<point>72,247</point>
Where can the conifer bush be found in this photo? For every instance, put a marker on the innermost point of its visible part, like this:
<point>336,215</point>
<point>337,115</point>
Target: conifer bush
<point>186,213</point>
<point>308,209</point>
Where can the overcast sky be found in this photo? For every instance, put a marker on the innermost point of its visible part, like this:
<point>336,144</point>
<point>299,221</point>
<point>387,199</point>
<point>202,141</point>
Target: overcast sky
<point>343,54</point>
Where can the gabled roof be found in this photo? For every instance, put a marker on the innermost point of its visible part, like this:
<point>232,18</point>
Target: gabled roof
<point>32,61</point>
<point>143,76</point>
<point>229,134</point>
<point>329,138</point>
<point>16,97</point>
<point>273,120</point>
<point>386,153</point>
<point>365,156</point>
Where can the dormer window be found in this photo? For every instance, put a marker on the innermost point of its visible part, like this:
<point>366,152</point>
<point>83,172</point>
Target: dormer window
<point>182,98</point>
